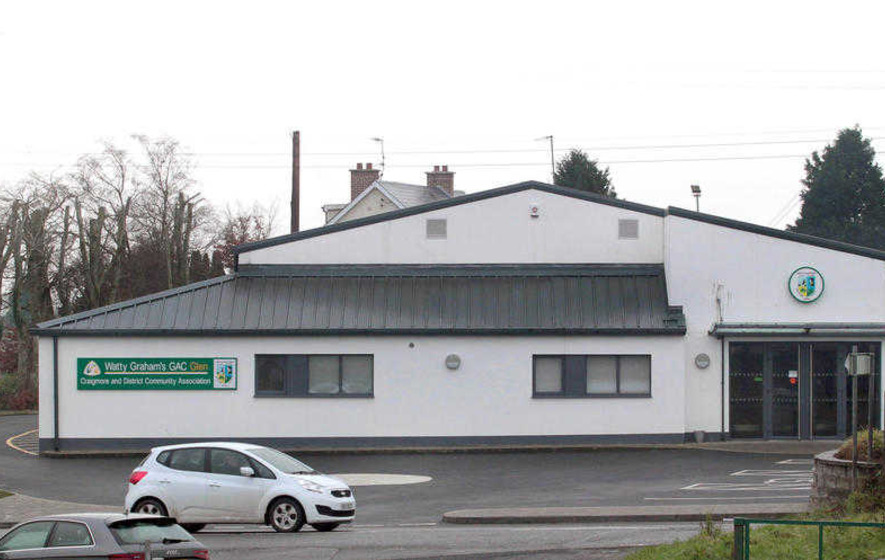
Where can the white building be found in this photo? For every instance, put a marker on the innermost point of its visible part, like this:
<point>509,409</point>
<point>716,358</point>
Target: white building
<point>528,314</point>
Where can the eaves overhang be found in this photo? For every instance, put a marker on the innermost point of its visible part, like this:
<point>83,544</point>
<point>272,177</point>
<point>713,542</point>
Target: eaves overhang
<point>820,329</point>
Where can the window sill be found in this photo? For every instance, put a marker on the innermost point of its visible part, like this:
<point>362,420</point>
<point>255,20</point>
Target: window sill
<point>346,396</point>
<point>596,396</point>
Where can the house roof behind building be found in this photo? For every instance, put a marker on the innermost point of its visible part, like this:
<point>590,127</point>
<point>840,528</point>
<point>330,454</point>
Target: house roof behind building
<point>412,195</point>
<point>384,299</point>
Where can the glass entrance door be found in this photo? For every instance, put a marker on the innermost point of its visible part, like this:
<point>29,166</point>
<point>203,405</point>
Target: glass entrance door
<point>797,390</point>
<point>827,389</point>
<point>783,389</point>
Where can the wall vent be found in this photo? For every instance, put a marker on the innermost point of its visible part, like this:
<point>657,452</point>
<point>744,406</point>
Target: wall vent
<point>436,229</point>
<point>628,229</point>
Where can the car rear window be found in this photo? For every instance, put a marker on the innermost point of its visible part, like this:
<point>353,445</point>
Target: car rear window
<point>70,534</point>
<point>144,530</point>
<point>189,459</point>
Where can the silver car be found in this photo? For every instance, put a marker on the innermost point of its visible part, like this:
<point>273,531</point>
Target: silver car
<point>100,535</point>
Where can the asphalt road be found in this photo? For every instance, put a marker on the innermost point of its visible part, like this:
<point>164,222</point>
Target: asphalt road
<point>465,480</point>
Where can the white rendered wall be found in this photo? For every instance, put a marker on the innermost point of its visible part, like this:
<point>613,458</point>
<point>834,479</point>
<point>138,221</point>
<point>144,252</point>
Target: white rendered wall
<point>750,273</point>
<point>415,395</point>
<point>495,230</point>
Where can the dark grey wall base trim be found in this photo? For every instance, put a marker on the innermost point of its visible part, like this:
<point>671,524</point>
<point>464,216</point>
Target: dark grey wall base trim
<point>129,445</point>
<point>708,437</point>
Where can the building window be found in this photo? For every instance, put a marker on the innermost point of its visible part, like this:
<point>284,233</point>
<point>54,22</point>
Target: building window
<point>592,376</point>
<point>314,375</point>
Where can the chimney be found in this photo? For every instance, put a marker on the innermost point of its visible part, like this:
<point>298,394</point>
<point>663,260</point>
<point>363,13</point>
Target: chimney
<point>360,179</point>
<point>443,178</point>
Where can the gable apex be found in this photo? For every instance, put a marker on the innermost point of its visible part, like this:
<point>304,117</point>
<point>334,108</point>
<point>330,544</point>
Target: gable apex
<point>451,202</point>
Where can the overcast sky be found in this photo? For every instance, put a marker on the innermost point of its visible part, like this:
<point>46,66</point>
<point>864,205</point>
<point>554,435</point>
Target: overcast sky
<point>731,96</point>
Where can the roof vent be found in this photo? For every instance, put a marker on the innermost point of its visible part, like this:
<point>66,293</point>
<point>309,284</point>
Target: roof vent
<point>628,229</point>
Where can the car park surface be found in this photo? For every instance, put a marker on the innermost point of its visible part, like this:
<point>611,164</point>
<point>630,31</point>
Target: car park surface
<point>601,477</point>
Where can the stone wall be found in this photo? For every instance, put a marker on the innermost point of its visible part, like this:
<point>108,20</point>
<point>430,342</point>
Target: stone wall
<point>832,479</point>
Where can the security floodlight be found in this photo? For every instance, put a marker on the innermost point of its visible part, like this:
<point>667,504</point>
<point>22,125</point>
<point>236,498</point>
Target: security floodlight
<point>696,192</point>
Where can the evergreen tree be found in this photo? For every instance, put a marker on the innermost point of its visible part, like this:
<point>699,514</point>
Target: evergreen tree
<point>576,170</point>
<point>844,194</point>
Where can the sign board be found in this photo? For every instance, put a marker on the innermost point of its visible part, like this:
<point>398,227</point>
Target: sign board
<point>156,374</point>
<point>859,364</point>
<point>806,284</point>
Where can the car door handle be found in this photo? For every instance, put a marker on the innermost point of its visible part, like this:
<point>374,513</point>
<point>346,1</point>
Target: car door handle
<point>215,485</point>
<point>165,481</point>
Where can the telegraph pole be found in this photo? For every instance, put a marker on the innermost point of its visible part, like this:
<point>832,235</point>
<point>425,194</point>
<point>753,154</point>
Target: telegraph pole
<point>296,180</point>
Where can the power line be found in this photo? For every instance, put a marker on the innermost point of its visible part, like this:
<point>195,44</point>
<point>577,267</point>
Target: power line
<point>498,151</point>
<point>489,164</point>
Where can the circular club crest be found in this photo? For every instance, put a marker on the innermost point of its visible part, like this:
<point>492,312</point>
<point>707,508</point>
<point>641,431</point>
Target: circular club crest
<point>806,284</point>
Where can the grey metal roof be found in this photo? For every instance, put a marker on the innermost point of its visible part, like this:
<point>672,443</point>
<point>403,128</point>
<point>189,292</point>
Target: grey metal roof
<point>413,195</point>
<point>385,299</point>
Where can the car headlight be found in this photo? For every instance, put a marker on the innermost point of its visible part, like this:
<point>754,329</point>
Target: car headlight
<point>311,486</point>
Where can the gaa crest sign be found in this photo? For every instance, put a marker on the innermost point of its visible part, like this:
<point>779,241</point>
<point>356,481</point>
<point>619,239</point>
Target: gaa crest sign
<point>806,284</point>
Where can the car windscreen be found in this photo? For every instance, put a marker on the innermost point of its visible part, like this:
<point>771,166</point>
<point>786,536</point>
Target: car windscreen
<point>281,461</point>
<point>133,531</point>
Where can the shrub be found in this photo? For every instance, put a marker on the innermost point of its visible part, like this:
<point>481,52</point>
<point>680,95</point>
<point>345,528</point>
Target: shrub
<point>13,396</point>
<point>846,451</point>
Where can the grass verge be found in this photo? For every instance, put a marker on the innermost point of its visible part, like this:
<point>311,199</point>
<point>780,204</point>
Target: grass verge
<point>16,412</point>
<point>780,542</point>
<point>3,494</point>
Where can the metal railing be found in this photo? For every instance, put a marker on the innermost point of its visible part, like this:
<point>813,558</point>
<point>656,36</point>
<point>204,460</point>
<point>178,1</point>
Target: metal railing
<point>741,550</point>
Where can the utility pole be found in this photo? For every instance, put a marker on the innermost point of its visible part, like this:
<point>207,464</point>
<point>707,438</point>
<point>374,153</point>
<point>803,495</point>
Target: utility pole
<point>552,158</point>
<point>296,180</point>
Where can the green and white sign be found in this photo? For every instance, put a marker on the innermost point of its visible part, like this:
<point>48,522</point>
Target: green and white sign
<point>153,374</point>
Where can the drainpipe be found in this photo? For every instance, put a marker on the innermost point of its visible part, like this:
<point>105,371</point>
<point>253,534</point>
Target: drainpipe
<point>55,443</point>
<point>722,382</point>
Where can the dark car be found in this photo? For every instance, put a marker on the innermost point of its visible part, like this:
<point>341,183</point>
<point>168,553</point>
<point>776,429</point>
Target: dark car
<point>100,535</point>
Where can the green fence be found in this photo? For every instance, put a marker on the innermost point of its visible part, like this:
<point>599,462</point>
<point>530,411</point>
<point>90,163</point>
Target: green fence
<point>742,532</point>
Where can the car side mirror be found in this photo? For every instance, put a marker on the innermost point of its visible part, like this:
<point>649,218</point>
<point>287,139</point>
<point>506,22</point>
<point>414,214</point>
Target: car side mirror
<point>247,471</point>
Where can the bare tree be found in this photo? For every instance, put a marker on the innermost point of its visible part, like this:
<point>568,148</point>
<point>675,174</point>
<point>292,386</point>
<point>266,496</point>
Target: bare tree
<point>167,205</point>
<point>37,249</point>
<point>104,182</point>
<point>244,225</point>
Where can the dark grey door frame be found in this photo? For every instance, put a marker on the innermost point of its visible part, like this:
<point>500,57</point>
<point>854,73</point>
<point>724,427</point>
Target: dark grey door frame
<point>805,391</point>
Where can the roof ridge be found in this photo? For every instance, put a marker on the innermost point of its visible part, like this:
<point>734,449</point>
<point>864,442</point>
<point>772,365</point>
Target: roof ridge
<point>449,202</point>
<point>749,227</point>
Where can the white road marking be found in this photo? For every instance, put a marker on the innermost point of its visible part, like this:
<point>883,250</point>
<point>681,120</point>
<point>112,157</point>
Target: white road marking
<point>377,479</point>
<point>773,473</point>
<point>800,496</point>
<point>766,486</point>
<point>796,462</point>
